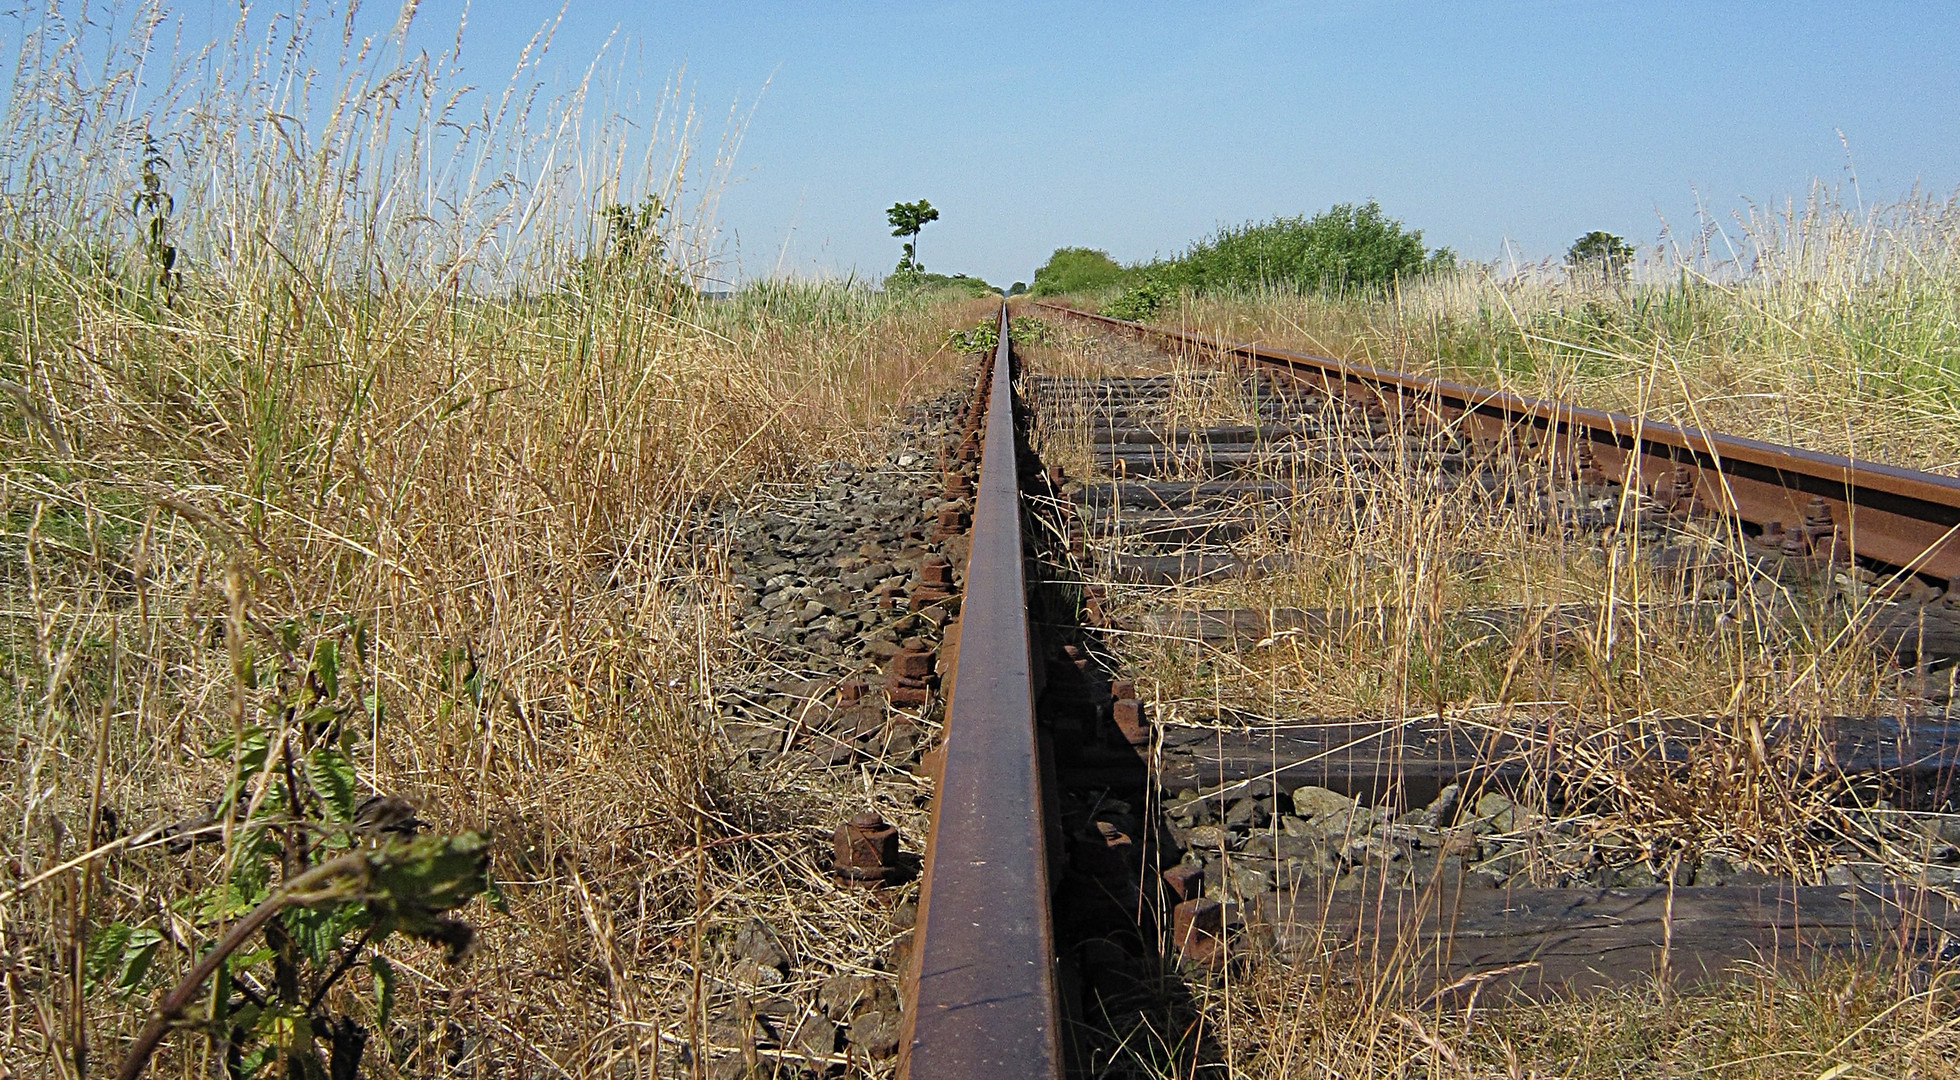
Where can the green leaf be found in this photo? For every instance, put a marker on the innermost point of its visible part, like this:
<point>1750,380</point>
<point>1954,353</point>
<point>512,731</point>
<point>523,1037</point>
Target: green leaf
<point>413,882</point>
<point>250,1064</point>
<point>105,951</point>
<point>373,702</point>
<point>137,954</point>
<point>253,737</point>
<point>384,988</point>
<point>245,960</point>
<point>332,777</point>
<point>221,1011</point>
<point>320,932</point>
<point>499,903</point>
<point>286,1028</point>
<point>326,665</point>
<point>251,876</point>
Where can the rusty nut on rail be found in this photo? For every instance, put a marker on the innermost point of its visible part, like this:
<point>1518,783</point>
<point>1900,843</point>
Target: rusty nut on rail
<point>1198,931</point>
<point>937,570</point>
<point>1127,711</point>
<point>1185,881</point>
<point>865,850</point>
<point>953,520</point>
<point>909,677</point>
<point>935,581</point>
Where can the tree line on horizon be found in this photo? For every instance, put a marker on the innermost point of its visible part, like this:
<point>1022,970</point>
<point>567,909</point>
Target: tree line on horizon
<point>1349,248</point>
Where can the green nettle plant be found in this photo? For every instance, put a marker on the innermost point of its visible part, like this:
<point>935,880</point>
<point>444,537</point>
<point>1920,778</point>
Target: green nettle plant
<point>152,206</point>
<point>633,257</point>
<point>984,336</point>
<point>314,879</point>
<point>1600,253</point>
<point>636,237</point>
<point>1347,248</point>
<point>906,220</point>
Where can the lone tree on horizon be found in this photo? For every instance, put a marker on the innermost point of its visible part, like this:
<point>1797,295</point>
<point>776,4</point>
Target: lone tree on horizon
<point>906,220</point>
<point>1608,254</point>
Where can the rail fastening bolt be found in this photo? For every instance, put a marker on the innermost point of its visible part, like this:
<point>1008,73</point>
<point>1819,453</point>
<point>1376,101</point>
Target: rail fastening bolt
<point>1198,930</point>
<point>865,849</point>
<point>937,570</point>
<point>1129,718</point>
<point>1185,881</point>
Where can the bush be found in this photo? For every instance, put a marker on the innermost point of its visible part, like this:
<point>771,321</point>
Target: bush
<point>1141,300</point>
<point>984,335</point>
<point>1344,249</point>
<point>914,281</point>
<point>1075,269</point>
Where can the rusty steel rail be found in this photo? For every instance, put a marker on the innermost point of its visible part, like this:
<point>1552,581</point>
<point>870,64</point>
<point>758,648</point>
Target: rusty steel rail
<point>985,1004</point>
<point>1903,518</point>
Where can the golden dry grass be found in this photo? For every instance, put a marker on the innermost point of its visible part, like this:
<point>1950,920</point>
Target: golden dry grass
<point>482,474</point>
<point>1828,326</point>
<point>1642,653</point>
<point>1498,619</point>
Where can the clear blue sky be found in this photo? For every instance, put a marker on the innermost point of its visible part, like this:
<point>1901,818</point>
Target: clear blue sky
<point>1138,127</point>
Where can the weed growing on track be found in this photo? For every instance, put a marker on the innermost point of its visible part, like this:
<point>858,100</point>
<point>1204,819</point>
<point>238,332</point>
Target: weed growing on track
<point>403,419</point>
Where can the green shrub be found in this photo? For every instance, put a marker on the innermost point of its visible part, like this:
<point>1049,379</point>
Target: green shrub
<point>1344,249</point>
<point>1141,300</point>
<point>1075,269</point>
<point>984,335</point>
<point>914,281</point>
<point>1030,330</point>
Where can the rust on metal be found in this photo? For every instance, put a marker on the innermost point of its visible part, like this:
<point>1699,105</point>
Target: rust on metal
<point>851,691</point>
<point>952,521</point>
<point>1185,881</point>
<point>909,677</point>
<point>1198,930</point>
<point>985,1004</point>
<point>1901,517</point>
<point>865,850</point>
<point>1129,717</point>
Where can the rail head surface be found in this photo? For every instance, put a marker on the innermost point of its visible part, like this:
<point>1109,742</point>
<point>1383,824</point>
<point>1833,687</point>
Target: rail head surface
<point>1902,517</point>
<point>985,1005</point>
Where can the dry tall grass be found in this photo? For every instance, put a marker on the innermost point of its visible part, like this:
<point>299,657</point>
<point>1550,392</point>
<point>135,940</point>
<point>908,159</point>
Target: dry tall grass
<point>397,393</point>
<point>1595,656</point>
<point>1826,325</point>
<point>1436,598</point>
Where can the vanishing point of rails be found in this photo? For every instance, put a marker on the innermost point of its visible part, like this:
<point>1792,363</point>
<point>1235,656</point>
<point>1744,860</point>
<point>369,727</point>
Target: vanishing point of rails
<point>1029,899</point>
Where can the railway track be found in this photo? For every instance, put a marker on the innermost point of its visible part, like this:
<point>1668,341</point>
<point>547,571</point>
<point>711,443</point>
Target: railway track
<point>1084,851</point>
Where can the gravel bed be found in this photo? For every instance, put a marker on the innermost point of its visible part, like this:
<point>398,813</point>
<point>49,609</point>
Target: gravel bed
<point>819,573</point>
